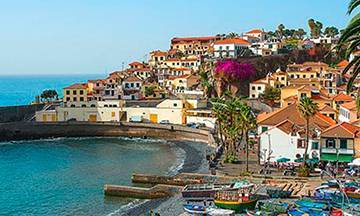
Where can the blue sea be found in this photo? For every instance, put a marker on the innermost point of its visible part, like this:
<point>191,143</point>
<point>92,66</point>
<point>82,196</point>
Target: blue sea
<point>66,176</point>
<point>21,90</point>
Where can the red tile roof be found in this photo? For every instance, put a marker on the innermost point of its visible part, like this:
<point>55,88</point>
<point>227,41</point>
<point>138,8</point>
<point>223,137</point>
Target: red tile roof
<point>343,97</point>
<point>132,79</point>
<point>77,86</point>
<point>233,41</point>
<point>189,39</point>
<point>136,64</point>
<point>349,106</point>
<point>254,31</point>
<point>343,63</point>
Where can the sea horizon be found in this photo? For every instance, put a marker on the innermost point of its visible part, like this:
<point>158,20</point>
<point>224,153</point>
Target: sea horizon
<point>21,89</point>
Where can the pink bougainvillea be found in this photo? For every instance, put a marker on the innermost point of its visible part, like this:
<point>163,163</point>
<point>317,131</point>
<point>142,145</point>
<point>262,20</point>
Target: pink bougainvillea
<point>233,70</point>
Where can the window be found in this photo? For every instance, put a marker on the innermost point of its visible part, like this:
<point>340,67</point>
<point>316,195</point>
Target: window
<point>315,145</point>
<point>75,99</point>
<point>330,143</point>
<point>253,96</point>
<point>263,129</point>
<point>84,105</point>
<point>301,143</point>
<point>92,105</point>
<point>259,87</point>
<point>137,84</point>
<point>304,76</point>
<point>68,99</point>
<point>343,143</point>
<point>175,104</point>
<point>227,47</point>
<point>67,92</point>
<point>112,114</point>
<point>283,78</point>
<point>81,99</point>
<point>81,92</point>
<point>253,88</point>
<point>74,91</point>
<point>72,105</point>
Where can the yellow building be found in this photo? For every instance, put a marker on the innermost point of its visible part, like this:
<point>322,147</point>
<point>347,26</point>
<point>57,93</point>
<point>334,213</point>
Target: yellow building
<point>77,92</point>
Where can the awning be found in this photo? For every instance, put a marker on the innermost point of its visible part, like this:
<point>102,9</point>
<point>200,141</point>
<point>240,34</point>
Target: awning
<point>333,157</point>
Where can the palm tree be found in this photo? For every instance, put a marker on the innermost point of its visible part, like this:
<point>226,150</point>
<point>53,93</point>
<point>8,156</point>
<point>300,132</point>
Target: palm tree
<point>351,39</point>
<point>248,122</point>
<point>307,109</point>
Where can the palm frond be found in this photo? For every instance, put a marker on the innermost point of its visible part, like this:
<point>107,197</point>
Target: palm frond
<point>353,4</point>
<point>353,77</point>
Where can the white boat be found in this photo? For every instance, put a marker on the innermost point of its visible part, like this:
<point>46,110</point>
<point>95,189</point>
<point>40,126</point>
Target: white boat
<point>220,212</point>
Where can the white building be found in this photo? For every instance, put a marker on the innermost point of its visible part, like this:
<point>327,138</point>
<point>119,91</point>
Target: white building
<point>348,112</point>
<point>230,48</point>
<point>282,133</point>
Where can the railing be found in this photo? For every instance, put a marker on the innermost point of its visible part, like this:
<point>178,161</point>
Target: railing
<point>334,151</point>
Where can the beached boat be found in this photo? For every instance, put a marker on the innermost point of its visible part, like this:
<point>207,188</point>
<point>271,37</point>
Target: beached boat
<point>277,192</point>
<point>207,191</point>
<point>201,210</point>
<point>353,194</point>
<point>195,209</point>
<point>238,200</point>
<point>239,206</point>
<point>273,207</point>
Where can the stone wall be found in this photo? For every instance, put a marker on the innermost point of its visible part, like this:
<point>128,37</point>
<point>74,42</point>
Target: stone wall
<point>36,130</point>
<point>19,113</point>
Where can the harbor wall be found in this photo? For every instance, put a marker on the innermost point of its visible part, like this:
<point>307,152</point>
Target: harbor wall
<point>37,130</point>
<point>19,113</point>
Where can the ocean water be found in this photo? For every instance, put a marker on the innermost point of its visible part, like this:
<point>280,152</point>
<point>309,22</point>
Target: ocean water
<point>21,90</point>
<point>65,176</point>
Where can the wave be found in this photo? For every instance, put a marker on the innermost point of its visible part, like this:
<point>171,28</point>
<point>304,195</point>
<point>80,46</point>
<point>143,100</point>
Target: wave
<point>123,210</point>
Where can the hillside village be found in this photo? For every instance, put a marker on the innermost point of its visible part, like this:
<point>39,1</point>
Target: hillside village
<point>170,88</point>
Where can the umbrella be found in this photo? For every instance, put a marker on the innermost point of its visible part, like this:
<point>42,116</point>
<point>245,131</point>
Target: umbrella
<point>299,160</point>
<point>282,160</point>
<point>355,162</point>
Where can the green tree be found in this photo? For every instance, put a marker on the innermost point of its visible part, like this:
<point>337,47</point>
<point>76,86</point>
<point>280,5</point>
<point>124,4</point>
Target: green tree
<point>307,109</point>
<point>206,80</point>
<point>232,35</point>
<point>331,31</point>
<point>315,28</point>
<point>280,31</point>
<point>271,94</point>
<point>49,95</point>
<point>300,33</point>
<point>350,39</point>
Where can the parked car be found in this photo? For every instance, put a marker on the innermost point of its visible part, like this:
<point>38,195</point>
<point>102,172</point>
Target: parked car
<point>164,122</point>
<point>136,119</point>
<point>200,125</point>
<point>71,120</point>
<point>191,125</point>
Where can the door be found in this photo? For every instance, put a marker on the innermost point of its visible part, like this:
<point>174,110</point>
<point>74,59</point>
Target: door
<point>154,118</point>
<point>92,118</point>
<point>44,119</point>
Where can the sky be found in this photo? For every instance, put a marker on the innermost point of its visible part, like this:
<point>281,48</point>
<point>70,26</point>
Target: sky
<point>99,36</point>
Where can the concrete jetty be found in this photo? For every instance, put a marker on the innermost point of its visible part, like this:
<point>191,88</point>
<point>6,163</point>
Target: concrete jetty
<point>158,191</point>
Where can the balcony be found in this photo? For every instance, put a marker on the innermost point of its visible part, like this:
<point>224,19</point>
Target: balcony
<point>333,151</point>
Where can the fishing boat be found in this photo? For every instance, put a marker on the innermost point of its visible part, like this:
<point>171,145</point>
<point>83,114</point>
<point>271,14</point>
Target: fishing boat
<point>207,191</point>
<point>239,200</point>
<point>273,207</point>
<point>353,194</point>
<point>277,192</point>
<point>195,209</point>
<point>202,210</point>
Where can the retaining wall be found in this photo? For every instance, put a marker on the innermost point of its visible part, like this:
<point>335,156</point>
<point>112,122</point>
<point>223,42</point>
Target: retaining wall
<point>18,113</point>
<point>37,130</point>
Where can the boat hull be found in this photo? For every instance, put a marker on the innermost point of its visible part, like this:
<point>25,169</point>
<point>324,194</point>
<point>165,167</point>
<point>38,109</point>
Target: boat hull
<point>238,207</point>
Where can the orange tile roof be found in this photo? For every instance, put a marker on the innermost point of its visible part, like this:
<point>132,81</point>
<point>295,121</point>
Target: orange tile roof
<point>292,114</point>
<point>343,63</point>
<point>349,106</point>
<point>342,130</point>
<point>233,41</point>
<point>315,64</point>
<point>136,63</point>
<point>326,108</point>
<point>254,31</point>
<point>158,53</point>
<point>342,97</point>
<point>77,86</point>
<point>189,39</point>
<point>132,79</point>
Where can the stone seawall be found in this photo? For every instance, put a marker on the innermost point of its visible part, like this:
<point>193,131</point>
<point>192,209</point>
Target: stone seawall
<point>35,130</point>
<point>18,113</point>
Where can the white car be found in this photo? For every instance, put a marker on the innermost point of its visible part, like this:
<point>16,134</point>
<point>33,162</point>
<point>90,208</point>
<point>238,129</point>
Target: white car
<point>164,122</point>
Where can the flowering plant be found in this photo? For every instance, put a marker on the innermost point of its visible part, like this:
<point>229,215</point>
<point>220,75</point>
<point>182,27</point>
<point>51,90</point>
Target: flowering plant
<point>233,70</point>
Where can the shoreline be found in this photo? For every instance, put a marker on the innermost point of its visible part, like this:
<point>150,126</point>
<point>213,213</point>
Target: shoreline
<point>195,161</point>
